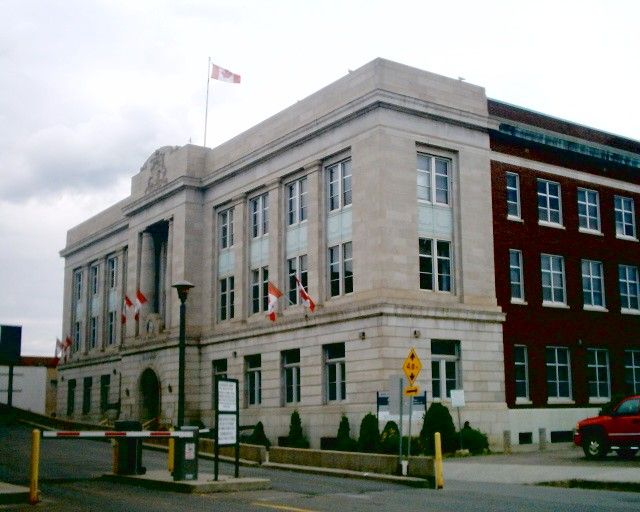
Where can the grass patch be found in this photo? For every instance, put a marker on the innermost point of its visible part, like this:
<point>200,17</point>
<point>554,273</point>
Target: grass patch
<point>588,484</point>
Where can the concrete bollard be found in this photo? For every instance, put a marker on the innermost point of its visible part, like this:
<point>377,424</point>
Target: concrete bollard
<point>506,441</point>
<point>35,467</point>
<point>438,462</point>
<point>171,453</point>
<point>542,439</point>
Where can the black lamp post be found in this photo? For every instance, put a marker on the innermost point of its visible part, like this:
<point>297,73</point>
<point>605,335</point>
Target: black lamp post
<point>182,287</point>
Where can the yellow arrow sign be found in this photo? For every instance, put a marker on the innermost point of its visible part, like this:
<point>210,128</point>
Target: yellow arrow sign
<point>411,391</point>
<point>412,366</point>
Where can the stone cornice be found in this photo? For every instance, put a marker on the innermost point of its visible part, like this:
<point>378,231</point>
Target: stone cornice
<point>109,231</point>
<point>172,188</point>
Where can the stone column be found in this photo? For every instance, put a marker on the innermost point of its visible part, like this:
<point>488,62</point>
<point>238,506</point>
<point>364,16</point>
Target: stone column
<point>240,258</point>
<point>147,275</point>
<point>276,239</point>
<point>169,292</point>
<point>316,234</point>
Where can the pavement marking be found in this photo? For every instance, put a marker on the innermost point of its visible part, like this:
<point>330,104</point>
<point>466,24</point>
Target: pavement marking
<point>282,507</point>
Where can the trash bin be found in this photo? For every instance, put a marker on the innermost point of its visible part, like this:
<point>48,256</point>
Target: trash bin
<point>185,466</point>
<point>130,449</point>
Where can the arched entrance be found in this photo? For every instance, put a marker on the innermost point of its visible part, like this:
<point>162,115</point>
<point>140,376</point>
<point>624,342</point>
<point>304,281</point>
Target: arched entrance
<point>150,392</point>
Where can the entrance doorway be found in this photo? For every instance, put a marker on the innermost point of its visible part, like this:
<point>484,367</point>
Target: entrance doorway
<point>150,391</point>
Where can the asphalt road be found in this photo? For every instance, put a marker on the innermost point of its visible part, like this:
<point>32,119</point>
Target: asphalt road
<point>70,471</point>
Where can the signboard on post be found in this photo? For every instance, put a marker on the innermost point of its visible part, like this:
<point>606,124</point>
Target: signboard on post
<point>412,366</point>
<point>227,419</point>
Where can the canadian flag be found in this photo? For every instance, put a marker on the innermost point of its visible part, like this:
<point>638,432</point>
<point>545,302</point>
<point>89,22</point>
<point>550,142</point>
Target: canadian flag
<point>140,300</point>
<point>66,344</point>
<point>274,295</point>
<point>306,299</point>
<point>59,348</point>
<point>224,75</point>
<point>127,305</point>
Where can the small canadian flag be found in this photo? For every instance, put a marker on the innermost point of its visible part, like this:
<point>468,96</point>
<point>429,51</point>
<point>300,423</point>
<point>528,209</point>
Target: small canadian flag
<point>306,298</point>
<point>140,300</point>
<point>274,295</point>
<point>224,75</point>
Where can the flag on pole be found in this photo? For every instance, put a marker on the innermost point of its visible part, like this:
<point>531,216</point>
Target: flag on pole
<point>127,305</point>
<point>224,75</point>
<point>306,298</point>
<point>59,347</point>
<point>66,345</point>
<point>140,300</point>
<point>274,295</point>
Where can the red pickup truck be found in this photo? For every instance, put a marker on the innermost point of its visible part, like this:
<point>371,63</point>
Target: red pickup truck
<point>618,430</point>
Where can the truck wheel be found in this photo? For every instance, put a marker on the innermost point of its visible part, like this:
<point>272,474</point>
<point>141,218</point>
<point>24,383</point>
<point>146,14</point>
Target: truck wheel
<point>594,446</point>
<point>627,453</point>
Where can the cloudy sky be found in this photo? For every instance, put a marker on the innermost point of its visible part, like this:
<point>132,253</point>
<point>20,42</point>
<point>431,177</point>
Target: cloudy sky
<point>88,89</point>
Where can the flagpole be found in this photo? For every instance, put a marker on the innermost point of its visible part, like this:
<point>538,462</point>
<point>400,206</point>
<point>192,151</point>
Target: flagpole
<point>206,108</point>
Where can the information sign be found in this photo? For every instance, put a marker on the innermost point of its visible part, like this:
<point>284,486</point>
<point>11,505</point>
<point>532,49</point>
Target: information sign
<point>227,396</point>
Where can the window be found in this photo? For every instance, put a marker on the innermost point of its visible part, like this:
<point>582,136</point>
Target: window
<point>291,376</point>
<point>93,280</point>
<point>227,296</point>
<point>259,289</point>
<point>77,286</point>
<point>558,373</point>
<point>433,179</point>
<point>296,267</point>
<point>297,201</point>
<point>225,228</point>
<point>440,280</point>
<point>259,211</point>
<point>553,282</point>
<point>111,327</point>
<point>625,217</point>
<point>86,395</point>
<point>549,207</point>
<point>334,372</point>
<point>341,269</point>
<point>71,397</point>
<point>629,288</point>
<point>632,371</point>
<point>77,337</point>
<point>521,363</point>
<point>253,378</point>
<point>105,384</point>
<point>513,196</point>
<point>445,360</point>
<point>515,275</point>
<point>598,373</point>
<point>93,334</point>
<point>588,210</point>
<point>592,284</point>
<point>339,185</point>
<point>219,368</point>
<point>112,272</point>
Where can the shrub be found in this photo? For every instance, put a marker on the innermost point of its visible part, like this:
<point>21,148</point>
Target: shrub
<point>344,441</point>
<point>390,438</point>
<point>438,419</point>
<point>474,441</point>
<point>369,439</point>
<point>258,436</point>
<point>296,438</point>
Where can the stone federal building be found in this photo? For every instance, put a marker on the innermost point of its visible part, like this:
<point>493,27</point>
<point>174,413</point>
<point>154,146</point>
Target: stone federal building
<point>500,243</point>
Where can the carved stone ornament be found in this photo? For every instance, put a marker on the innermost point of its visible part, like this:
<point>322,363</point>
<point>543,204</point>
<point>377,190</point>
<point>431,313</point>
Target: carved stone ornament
<point>156,168</point>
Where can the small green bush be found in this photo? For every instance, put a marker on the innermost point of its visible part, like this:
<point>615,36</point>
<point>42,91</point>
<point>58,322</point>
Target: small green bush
<point>474,441</point>
<point>345,443</point>
<point>369,439</point>
<point>296,438</point>
<point>390,438</point>
<point>438,419</point>
<point>257,436</point>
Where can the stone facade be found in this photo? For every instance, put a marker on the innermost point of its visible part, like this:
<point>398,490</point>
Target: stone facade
<point>373,123</point>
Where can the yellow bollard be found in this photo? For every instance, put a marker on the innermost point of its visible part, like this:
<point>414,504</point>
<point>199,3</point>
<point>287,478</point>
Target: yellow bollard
<point>114,462</point>
<point>438,462</point>
<point>35,466</point>
<point>171,452</point>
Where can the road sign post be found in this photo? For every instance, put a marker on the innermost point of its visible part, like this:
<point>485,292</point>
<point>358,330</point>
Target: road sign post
<point>411,367</point>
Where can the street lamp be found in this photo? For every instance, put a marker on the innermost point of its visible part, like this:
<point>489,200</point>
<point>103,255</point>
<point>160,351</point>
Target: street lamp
<point>182,287</point>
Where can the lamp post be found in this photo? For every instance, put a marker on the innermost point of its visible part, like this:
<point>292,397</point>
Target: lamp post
<point>182,287</point>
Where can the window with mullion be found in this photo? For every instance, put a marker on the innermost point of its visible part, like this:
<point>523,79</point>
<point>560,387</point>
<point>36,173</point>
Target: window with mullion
<point>632,371</point>
<point>86,395</point>
<point>93,280</point>
<point>440,262</point>
<point>553,280</point>
<point>588,210</point>
<point>111,327</point>
<point>259,211</point>
<point>93,334</point>
<point>253,379</point>
<point>625,217</point>
<point>297,201</point>
<point>112,271</point>
<point>335,372</point>
<point>225,226</point>
<point>521,364</point>
<point>291,376</point>
<point>515,275</point>
<point>341,269</point>
<point>549,202</point>
<point>558,373</point>
<point>433,179</point>
<point>226,298</point>
<point>339,185</point>
<point>598,373</point>
<point>296,267</point>
<point>513,195</point>
<point>259,289</point>
<point>77,287</point>
<point>445,360</point>
<point>592,283</point>
<point>629,288</point>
